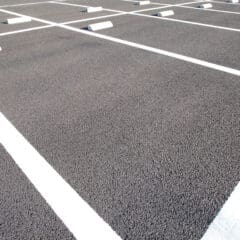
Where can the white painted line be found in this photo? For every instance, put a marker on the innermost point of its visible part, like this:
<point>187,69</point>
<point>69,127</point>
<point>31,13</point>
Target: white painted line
<point>25,30</point>
<point>178,4</point>
<point>187,3</point>
<point>95,18</point>
<point>149,9</point>
<point>75,213</point>
<point>226,225</point>
<point>93,9</point>
<point>85,6</point>
<point>33,18</point>
<point>233,1</point>
<point>161,52</point>
<point>18,20</point>
<point>210,10</point>
<point>161,6</point>
<point>141,3</point>
<point>141,46</point>
<point>137,1</point>
<point>220,2</point>
<point>205,5</point>
<point>166,13</point>
<point>0,48</point>
<point>142,15</point>
<point>99,26</point>
<point>187,22</point>
<point>21,4</point>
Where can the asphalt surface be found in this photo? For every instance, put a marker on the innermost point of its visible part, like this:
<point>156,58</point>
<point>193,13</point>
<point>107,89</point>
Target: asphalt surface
<point>150,142</point>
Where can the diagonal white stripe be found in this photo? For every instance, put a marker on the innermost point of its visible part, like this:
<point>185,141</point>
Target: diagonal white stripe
<point>226,225</point>
<point>74,212</point>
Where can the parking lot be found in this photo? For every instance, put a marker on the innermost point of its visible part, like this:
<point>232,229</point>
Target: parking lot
<point>130,132</point>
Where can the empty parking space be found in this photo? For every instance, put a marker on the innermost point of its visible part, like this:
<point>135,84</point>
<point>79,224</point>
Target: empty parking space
<point>176,37</point>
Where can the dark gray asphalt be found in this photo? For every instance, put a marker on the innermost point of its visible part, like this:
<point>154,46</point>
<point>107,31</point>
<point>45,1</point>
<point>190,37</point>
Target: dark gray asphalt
<point>150,142</point>
<point>23,213</point>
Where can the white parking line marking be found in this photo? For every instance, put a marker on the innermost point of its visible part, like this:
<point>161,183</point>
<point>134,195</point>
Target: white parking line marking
<point>159,51</point>
<point>166,6</point>
<point>22,4</point>
<point>74,212</point>
<point>118,11</point>
<point>95,18</point>
<point>149,9</point>
<point>140,46</point>
<point>85,6</point>
<point>81,20</point>
<point>210,10</point>
<point>215,1</point>
<point>226,225</point>
<point>188,22</point>
<point>194,8</point>
<point>26,30</point>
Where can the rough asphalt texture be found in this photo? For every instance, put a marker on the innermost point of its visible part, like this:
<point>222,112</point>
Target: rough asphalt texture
<point>151,143</point>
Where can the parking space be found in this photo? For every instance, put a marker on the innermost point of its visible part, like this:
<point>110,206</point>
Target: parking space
<point>141,119</point>
<point>176,37</point>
